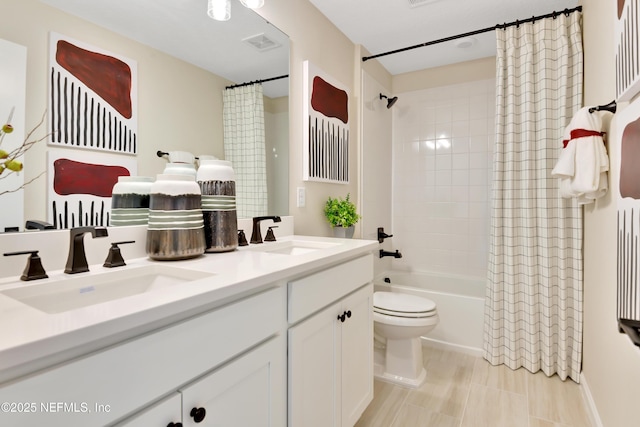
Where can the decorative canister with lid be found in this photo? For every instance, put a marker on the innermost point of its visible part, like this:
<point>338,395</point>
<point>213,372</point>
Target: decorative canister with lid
<point>217,184</point>
<point>130,200</point>
<point>180,169</point>
<point>175,230</point>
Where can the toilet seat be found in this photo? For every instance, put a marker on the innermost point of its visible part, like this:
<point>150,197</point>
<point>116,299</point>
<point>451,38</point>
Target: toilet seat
<point>403,305</point>
<point>405,321</point>
<point>403,314</point>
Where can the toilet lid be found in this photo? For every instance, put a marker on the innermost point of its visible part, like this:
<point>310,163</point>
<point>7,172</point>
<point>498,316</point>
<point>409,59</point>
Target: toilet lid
<point>395,303</point>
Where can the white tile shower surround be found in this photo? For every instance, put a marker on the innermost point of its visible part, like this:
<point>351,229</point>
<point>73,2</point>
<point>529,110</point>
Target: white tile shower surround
<point>466,391</point>
<point>442,152</point>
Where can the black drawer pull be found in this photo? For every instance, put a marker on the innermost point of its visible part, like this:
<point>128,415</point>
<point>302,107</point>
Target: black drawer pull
<point>198,414</point>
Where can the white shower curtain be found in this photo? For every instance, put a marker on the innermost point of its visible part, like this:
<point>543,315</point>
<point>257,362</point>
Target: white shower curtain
<point>533,309</point>
<point>244,147</point>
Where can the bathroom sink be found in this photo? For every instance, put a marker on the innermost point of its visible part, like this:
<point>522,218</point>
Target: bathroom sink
<point>292,247</point>
<point>85,290</point>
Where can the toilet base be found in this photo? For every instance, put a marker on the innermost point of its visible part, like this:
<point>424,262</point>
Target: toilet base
<point>379,372</point>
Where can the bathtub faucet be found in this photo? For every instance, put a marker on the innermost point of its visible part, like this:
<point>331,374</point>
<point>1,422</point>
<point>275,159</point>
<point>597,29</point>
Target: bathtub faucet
<point>395,254</point>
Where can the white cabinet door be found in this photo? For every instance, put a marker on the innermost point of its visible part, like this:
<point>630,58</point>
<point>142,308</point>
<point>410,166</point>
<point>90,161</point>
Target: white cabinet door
<point>312,370</point>
<point>162,414</point>
<point>357,355</point>
<point>331,364</point>
<point>248,391</point>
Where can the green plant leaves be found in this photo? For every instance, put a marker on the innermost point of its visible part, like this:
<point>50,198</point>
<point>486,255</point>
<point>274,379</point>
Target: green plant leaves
<point>341,212</point>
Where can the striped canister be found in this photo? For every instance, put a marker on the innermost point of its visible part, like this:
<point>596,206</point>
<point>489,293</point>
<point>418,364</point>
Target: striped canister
<point>217,184</point>
<point>176,229</point>
<point>130,200</point>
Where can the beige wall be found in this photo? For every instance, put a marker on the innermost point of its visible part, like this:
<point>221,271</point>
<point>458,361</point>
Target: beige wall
<point>316,39</point>
<point>611,364</point>
<point>195,124</point>
<point>463,72</point>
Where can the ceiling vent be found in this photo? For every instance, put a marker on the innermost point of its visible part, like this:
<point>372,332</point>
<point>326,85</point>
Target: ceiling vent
<point>418,3</point>
<point>261,42</point>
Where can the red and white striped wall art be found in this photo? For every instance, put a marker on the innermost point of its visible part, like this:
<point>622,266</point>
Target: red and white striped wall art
<point>627,39</point>
<point>92,97</point>
<point>326,128</point>
<point>627,144</point>
<point>80,183</point>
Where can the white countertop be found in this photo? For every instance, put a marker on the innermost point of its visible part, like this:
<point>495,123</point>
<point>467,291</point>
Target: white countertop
<point>31,339</point>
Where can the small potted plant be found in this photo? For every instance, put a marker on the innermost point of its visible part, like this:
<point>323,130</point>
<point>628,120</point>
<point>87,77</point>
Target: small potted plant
<point>342,216</point>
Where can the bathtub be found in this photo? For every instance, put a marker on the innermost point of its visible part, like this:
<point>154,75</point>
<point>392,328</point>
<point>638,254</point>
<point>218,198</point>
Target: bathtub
<point>460,304</point>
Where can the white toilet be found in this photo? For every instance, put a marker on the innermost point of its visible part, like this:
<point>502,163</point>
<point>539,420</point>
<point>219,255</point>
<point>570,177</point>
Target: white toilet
<point>400,320</point>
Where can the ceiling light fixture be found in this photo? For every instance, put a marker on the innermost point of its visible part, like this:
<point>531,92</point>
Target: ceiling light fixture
<point>220,10</point>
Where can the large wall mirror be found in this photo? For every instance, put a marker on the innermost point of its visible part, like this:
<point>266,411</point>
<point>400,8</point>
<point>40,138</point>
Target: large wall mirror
<point>244,49</point>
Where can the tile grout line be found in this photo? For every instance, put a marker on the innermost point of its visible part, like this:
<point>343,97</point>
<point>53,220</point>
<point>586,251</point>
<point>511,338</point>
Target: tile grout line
<point>399,410</point>
<point>466,401</point>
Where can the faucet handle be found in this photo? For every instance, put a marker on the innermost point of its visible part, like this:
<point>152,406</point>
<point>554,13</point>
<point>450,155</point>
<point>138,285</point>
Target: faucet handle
<point>114,258</point>
<point>270,237</point>
<point>382,235</point>
<point>242,238</point>
<point>34,269</point>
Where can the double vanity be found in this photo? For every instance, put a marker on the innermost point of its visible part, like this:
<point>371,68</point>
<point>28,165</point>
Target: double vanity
<point>273,334</point>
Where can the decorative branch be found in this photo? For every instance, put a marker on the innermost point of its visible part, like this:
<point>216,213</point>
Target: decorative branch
<point>8,160</point>
<point>23,185</point>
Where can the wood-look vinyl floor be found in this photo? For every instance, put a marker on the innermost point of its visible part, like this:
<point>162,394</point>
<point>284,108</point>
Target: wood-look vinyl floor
<point>466,391</point>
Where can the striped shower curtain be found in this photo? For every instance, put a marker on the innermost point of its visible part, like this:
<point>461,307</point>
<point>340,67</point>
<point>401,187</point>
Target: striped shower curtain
<point>533,309</point>
<point>244,147</point>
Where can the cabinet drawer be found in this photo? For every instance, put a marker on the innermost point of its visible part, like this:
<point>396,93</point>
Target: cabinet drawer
<point>128,376</point>
<point>310,294</point>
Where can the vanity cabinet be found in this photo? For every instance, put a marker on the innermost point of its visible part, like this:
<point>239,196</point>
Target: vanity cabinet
<point>200,358</point>
<point>295,349</point>
<point>331,349</point>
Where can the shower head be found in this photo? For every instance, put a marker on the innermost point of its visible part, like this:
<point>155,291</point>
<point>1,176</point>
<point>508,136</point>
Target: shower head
<point>390,101</point>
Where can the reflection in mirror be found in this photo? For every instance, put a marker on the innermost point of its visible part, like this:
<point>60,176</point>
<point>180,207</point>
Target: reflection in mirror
<point>244,49</point>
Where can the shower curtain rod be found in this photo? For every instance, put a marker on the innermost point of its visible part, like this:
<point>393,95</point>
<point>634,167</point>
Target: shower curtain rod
<point>284,76</point>
<point>473,33</point>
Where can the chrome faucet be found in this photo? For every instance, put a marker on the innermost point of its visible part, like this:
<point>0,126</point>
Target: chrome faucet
<point>256,235</point>
<point>77,260</point>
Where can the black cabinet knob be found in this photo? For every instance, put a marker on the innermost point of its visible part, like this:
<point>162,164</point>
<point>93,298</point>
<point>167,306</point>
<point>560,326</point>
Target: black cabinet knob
<point>174,425</point>
<point>198,414</point>
<point>344,316</point>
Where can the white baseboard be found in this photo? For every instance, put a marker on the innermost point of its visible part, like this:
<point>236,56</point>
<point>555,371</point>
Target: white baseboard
<point>443,345</point>
<point>591,405</point>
